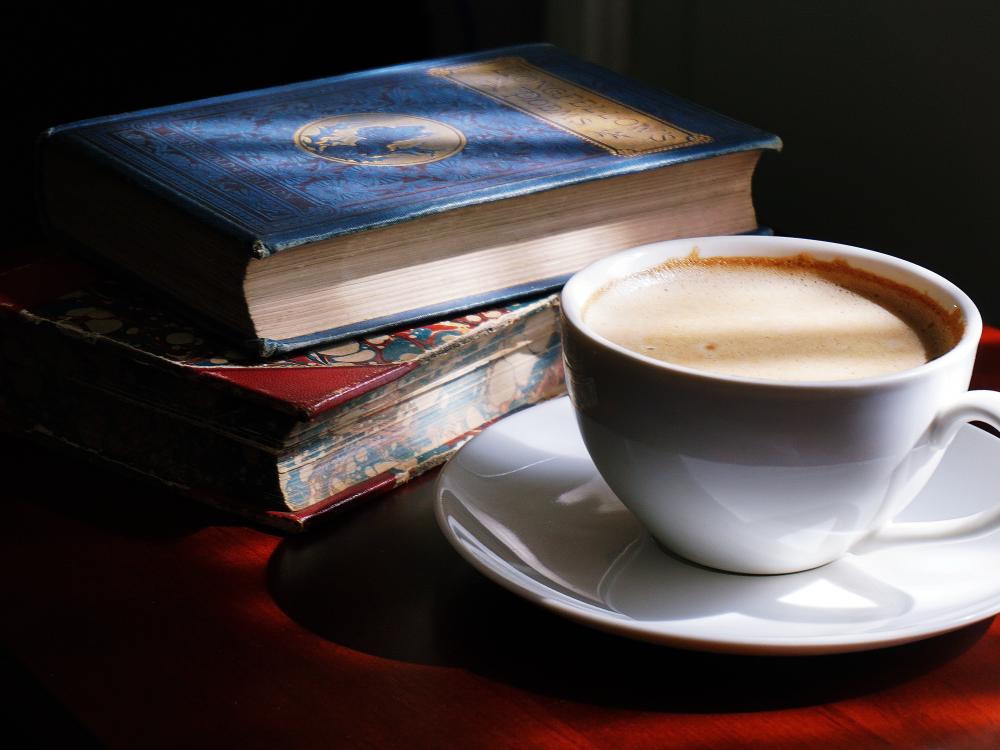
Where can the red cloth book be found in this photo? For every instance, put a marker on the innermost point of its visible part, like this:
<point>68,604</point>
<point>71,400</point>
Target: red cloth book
<point>89,364</point>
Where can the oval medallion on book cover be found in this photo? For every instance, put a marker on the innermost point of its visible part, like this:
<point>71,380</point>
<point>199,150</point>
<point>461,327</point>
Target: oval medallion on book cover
<point>378,139</point>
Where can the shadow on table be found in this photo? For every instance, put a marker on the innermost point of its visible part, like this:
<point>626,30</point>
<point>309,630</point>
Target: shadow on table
<point>385,582</point>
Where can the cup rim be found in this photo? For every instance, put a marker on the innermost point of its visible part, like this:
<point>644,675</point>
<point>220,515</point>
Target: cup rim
<point>756,245</point>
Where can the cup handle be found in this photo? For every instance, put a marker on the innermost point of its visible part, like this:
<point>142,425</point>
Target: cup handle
<point>979,406</point>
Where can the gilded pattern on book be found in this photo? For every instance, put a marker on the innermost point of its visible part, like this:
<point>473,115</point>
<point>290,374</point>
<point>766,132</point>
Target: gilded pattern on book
<point>376,139</point>
<point>620,129</point>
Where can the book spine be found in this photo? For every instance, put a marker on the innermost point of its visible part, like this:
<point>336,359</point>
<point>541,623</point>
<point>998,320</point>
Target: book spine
<point>115,429</point>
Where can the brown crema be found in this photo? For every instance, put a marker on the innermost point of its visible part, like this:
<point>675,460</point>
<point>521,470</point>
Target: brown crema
<point>790,318</point>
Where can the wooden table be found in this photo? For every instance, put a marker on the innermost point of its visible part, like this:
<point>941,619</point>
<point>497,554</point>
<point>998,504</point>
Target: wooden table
<point>134,618</point>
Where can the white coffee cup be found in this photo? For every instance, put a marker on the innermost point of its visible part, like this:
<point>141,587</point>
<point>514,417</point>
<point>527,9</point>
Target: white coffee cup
<point>767,476</point>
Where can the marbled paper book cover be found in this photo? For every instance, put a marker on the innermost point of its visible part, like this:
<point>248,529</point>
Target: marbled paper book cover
<point>89,363</point>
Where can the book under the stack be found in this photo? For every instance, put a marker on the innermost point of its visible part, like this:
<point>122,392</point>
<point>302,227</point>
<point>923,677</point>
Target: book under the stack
<point>324,210</point>
<point>89,364</point>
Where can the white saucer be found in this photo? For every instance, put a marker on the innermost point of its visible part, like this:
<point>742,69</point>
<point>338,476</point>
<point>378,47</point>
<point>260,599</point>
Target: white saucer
<point>523,503</point>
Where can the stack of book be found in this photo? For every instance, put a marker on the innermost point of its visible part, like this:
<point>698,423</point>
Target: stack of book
<point>298,297</point>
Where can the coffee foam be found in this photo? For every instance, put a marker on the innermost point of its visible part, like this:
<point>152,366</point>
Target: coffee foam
<point>793,318</point>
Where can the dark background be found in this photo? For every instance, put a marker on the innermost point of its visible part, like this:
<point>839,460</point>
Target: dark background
<point>888,110</point>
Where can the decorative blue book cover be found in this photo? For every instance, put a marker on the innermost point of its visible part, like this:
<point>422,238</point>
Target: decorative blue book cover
<point>291,165</point>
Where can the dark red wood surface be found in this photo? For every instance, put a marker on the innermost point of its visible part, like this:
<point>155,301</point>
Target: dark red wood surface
<point>135,618</point>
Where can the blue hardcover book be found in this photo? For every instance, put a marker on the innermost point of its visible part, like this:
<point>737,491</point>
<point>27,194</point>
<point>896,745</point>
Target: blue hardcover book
<point>306,213</point>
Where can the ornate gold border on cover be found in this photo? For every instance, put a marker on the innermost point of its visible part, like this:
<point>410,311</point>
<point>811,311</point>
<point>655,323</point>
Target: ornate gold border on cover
<point>616,127</point>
